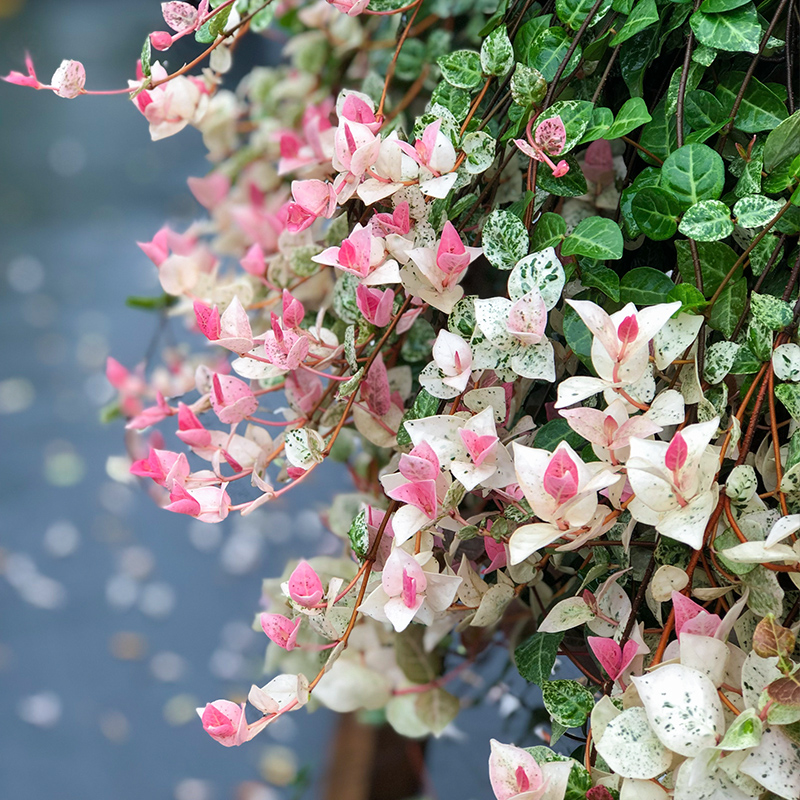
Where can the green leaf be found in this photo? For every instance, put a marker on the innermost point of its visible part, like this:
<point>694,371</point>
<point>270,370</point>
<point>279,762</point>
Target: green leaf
<point>536,656</point>
<point>632,114</point>
<point>656,213</point>
<point>594,237</point>
<point>734,31</point>
<point>693,173</point>
<point>602,278</point>
<point>550,230</point>
<point>703,110</point>
<point>644,14</point>
<point>527,35</point>
<point>573,184</point>
<point>359,534</point>
<point>214,27</point>
<point>146,55</point>
<point>644,286</point>
<point>771,312</point>
<point>549,49</point>
<point>497,53</point>
<point>729,307</point>
<point>456,101</point>
<point>660,135</point>
<point>716,260</point>
<point>425,405</point>
<point>567,702</point>
<point>573,12</point>
<point>552,433</point>
<point>692,300</point>
<point>436,709</point>
<point>461,68</point>
<point>601,120</point>
<point>418,665</point>
<point>579,338</point>
<point>782,143</point>
<point>719,6</point>
<point>756,210</point>
<point>505,240</point>
<point>158,303</point>
<point>760,109</point>
<point>635,57</point>
<point>707,221</point>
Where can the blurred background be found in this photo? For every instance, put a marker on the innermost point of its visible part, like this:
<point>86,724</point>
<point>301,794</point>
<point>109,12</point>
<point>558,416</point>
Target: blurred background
<point>119,619</point>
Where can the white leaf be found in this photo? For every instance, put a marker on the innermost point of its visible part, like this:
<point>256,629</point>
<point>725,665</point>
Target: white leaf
<point>631,748</point>
<point>775,764</point>
<point>683,708</point>
<point>567,614</point>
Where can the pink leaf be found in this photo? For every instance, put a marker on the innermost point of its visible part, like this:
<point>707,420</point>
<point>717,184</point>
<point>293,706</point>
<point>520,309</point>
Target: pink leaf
<point>305,586</point>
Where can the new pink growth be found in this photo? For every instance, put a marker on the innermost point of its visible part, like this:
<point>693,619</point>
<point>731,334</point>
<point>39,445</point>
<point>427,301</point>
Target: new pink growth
<point>206,503</point>
<point>409,594</point>
<point>628,330</point>
<point>225,722</point>
<point>451,254</point>
<point>293,311</point>
<point>163,466</point>
<point>421,495</point>
<point>549,139</point>
<point>281,630</point>
<point>498,556</point>
<point>399,221</point>
<point>375,389</point>
<point>190,430</point>
<point>690,617</point>
<point>375,305</point>
<point>179,16</point>
<point>421,464</point>
<point>25,80</point>
<point>207,320</point>
<point>254,261</point>
<point>305,586</point>
<point>478,447</point>
<point>161,40</point>
<point>527,318</point>
<point>561,477</point>
<point>613,658</point>
<point>231,399</point>
<point>513,772</point>
<point>211,190</point>
<point>677,453</point>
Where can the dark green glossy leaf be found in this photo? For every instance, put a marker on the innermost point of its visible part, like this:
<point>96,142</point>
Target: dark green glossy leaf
<point>644,286</point>
<point>735,31</point>
<point>594,237</point>
<point>693,173</point>
<point>632,114</point>
<point>550,230</point>
<point>644,14</point>
<point>552,433</point>
<point>656,213</point>
<point>536,656</point>
<point>760,109</point>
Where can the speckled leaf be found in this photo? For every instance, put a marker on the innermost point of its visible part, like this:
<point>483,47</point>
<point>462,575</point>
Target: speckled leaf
<point>549,49</point>
<point>528,85</point>
<point>497,54</point>
<point>631,748</point>
<point>479,148</point>
<point>567,702</point>
<point>683,708</point>
<point>707,221</point>
<point>505,240</point>
<point>576,115</point>
<point>541,270</point>
<point>771,312</point>
<point>755,210</point>
<point>766,594</point>
<point>775,764</point>
<point>719,360</point>
<point>786,362</point>
<point>566,614</point>
<point>461,68</point>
